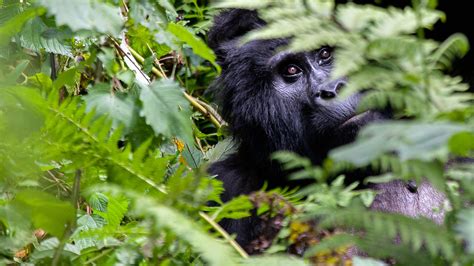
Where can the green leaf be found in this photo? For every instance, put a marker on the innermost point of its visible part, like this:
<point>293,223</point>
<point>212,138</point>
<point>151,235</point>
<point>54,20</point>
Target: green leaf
<point>14,25</point>
<point>32,37</point>
<point>214,252</point>
<point>199,46</point>
<point>85,15</point>
<point>221,150</point>
<point>98,202</point>
<point>462,143</point>
<point>46,249</point>
<point>456,46</point>
<point>115,105</point>
<point>42,207</point>
<point>115,211</point>
<point>166,110</point>
<point>65,78</point>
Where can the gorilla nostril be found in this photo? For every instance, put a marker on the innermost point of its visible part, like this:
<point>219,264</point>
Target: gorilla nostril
<point>339,86</point>
<point>328,94</point>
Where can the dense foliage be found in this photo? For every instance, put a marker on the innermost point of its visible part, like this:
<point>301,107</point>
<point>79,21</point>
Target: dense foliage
<point>106,132</point>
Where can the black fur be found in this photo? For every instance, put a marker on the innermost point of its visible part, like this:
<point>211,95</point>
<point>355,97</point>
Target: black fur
<point>269,110</point>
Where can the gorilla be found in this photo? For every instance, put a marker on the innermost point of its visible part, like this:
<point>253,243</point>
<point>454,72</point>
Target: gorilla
<point>277,100</point>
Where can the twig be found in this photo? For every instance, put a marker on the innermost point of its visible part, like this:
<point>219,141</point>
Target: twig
<point>202,109</point>
<point>226,236</point>
<point>70,226</point>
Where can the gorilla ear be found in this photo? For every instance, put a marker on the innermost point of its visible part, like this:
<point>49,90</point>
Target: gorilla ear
<point>229,25</point>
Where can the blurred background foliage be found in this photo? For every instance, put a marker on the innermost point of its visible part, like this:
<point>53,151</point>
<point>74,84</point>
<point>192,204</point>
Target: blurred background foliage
<point>106,131</point>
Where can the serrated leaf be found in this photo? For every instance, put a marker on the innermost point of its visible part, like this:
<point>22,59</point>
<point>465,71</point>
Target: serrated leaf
<point>32,38</point>
<point>116,208</point>
<point>118,107</point>
<point>14,25</point>
<point>166,110</point>
<point>85,15</point>
<point>47,248</point>
<point>98,201</point>
<point>221,150</point>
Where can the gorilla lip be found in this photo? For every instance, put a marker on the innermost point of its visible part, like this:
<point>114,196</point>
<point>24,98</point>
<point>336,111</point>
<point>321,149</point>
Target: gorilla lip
<point>355,118</point>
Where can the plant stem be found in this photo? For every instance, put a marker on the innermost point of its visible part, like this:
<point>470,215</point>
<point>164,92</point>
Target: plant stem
<point>226,236</point>
<point>72,224</point>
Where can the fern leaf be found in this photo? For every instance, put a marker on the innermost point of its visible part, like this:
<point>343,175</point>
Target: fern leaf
<point>456,46</point>
<point>413,232</point>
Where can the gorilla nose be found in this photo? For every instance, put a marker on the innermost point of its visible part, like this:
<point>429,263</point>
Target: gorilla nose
<point>327,94</point>
<point>331,90</point>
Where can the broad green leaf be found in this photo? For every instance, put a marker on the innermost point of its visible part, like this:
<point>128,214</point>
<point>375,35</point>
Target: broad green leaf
<point>98,201</point>
<point>199,47</point>
<point>32,37</point>
<point>85,15</point>
<point>18,224</point>
<point>192,155</point>
<point>221,150</point>
<point>462,143</point>
<point>24,108</point>
<point>14,25</point>
<point>115,105</point>
<point>166,110</point>
<point>168,7</point>
<point>45,250</point>
<point>65,78</point>
<point>42,207</point>
<point>42,81</point>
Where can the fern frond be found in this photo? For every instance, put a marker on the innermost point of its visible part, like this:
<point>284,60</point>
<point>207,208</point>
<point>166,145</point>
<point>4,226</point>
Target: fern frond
<point>164,217</point>
<point>79,133</point>
<point>416,233</point>
<point>456,46</point>
<point>408,103</point>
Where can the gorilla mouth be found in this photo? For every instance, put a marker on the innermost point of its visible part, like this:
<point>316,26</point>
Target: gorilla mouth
<point>356,119</point>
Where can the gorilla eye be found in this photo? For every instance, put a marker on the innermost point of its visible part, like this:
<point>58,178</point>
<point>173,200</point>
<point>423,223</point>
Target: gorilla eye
<point>325,54</point>
<point>291,71</point>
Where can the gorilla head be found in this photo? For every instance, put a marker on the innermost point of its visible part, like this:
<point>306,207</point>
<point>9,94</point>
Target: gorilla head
<point>277,100</point>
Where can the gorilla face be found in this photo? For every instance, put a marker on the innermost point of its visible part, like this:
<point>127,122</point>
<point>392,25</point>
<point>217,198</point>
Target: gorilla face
<point>305,77</point>
<point>286,101</point>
